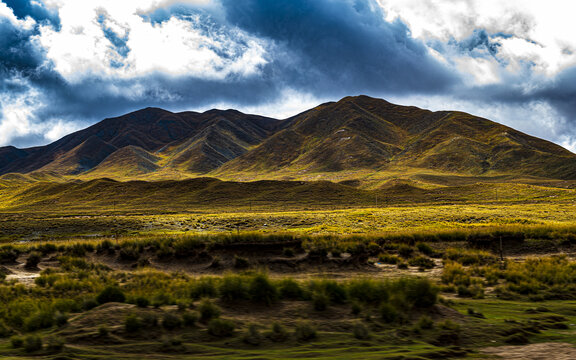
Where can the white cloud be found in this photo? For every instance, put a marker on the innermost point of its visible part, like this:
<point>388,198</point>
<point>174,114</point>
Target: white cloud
<point>542,31</point>
<point>292,102</point>
<point>180,46</point>
<point>5,12</point>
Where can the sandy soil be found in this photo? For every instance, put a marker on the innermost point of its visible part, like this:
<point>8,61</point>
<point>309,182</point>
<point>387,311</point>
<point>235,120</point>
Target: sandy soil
<point>543,351</point>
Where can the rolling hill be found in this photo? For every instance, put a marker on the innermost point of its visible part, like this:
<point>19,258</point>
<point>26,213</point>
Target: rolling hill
<point>356,134</point>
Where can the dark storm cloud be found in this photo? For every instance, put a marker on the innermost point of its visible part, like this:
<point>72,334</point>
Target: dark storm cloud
<point>340,47</point>
<point>24,8</point>
<point>327,48</point>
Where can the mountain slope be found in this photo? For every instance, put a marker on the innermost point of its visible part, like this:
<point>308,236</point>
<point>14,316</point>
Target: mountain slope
<point>367,133</point>
<point>354,135</point>
<point>150,129</point>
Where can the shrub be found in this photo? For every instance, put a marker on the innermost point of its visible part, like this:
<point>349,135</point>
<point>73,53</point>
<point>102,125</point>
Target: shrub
<point>16,342</point>
<point>278,333</point>
<point>33,260</point>
<point>425,249</point>
<point>189,318</point>
<point>421,293</point>
<point>8,254</point>
<point>305,332</point>
<point>142,302</point>
<point>425,323</point>
<point>402,266</point>
<point>60,319</point>
<point>388,313</point>
<point>233,288</point>
<point>89,304</point>
<point>320,300</point>
<point>290,289</point>
<point>221,327</point>
<point>262,290</point>
<point>55,344</point>
<point>356,308</point>
<point>133,323</point>
<point>252,335</point>
<point>208,311</point>
<point>241,263</point>
<point>171,321</point>
<point>422,262</point>
<point>361,332</point>
<point>204,287</point>
<point>288,252</point>
<point>5,331</point>
<point>367,290</point>
<point>129,253</point>
<point>111,294</point>
<point>41,320</point>
<point>105,246</point>
<point>32,343</point>
<point>149,320</point>
<point>388,259</point>
<point>405,251</point>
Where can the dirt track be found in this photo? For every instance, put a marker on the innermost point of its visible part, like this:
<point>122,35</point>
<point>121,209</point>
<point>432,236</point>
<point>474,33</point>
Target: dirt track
<point>543,351</point>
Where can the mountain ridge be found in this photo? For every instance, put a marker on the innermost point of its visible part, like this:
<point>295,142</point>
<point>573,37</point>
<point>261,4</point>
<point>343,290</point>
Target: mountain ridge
<point>354,134</point>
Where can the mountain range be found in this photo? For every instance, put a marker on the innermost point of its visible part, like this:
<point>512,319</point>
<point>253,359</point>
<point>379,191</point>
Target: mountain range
<point>356,134</point>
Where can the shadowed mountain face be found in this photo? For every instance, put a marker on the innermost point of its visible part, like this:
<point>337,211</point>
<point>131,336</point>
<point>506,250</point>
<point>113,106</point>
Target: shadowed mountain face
<point>352,134</point>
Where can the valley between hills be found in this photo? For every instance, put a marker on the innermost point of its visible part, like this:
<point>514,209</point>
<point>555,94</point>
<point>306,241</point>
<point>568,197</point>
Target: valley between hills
<point>358,229</point>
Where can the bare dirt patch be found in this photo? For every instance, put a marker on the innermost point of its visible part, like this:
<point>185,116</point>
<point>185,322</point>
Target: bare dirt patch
<point>543,351</point>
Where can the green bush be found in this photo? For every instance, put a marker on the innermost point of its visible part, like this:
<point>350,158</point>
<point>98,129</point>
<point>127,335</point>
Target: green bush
<point>367,291</point>
<point>320,300</point>
<point>5,331</point>
<point>425,249</point>
<point>290,289</point>
<point>149,320</point>
<point>32,343</point>
<point>305,331</point>
<point>241,263</point>
<point>33,260</point>
<point>389,259</point>
<point>16,342</point>
<point>263,290</point>
<point>171,321</point>
<point>425,323</point>
<point>422,262</point>
<point>288,252</point>
<point>232,288</point>
<point>421,293</point>
<point>60,319</point>
<point>89,304</point>
<point>190,318</point>
<point>278,333</point>
<point>142,302</point>
<point>111,294</point>
<point>252,335</point>
<point>208,311</point>
<point>405,251</point>
<point>133,323</point>
<point>361,332</point>
<point>388,313</point>
<point>204,287</point>
<point>221,327</point>
<point>41,320</point>
<point>55,344</point>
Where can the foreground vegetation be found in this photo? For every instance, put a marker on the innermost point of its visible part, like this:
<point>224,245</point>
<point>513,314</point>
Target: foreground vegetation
<point>120,296</point>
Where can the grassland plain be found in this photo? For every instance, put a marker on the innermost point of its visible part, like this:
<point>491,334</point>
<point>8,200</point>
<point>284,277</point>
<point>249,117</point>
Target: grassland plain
<point>167,270</point>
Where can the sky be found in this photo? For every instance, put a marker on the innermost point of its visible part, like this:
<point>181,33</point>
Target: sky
<point>67,64</point>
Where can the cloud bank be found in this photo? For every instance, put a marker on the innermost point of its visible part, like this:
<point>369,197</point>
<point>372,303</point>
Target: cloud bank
<point>65,64</point>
